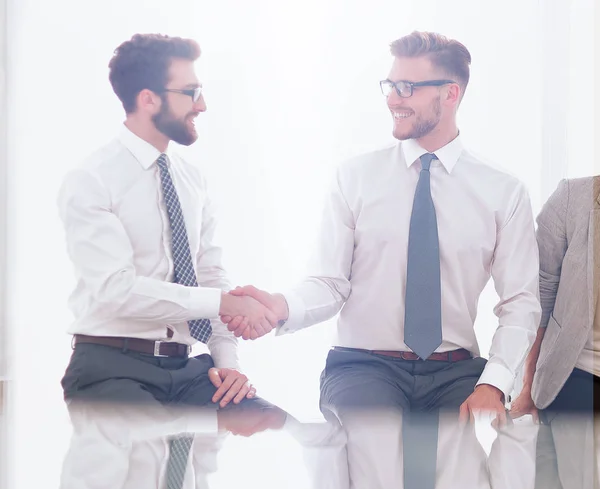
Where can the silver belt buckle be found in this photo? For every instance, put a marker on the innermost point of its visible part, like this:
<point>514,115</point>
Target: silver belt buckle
<point>157,349</point>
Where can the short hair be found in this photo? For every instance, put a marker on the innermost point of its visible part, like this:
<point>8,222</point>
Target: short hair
<point>451,56</point>
<point>143,63</point>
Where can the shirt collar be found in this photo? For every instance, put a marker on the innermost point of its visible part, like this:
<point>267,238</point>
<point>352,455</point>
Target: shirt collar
<point>142,150</point>
<point>448,154</point>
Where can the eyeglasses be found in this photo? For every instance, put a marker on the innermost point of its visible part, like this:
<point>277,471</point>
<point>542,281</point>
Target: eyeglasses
<point>195,93</point>
<point>405,88</point>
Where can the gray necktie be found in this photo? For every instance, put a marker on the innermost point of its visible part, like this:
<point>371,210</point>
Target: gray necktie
<point>185,274</point>
<point>179,452</point>
<point>423,316</point>
<point>201,329</point>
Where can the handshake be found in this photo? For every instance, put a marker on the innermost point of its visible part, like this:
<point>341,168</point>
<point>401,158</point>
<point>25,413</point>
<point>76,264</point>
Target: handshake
<point>252,313</point>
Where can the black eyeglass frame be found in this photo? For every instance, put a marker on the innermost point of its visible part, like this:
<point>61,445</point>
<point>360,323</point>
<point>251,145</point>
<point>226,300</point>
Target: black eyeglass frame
<point>194,93</point>
<point>410,85</point>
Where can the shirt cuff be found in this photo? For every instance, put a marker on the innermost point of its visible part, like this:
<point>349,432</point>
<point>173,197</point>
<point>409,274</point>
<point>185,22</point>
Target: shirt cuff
<point>296,313</point>
<point>498,376</point>
<point>204,302</point>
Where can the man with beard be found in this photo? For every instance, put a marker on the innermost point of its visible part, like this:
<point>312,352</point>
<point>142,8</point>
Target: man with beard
<point>410,236</point>
<point>150,284</point>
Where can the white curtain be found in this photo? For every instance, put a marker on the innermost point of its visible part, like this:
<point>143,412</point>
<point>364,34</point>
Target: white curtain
<point>292,88</point>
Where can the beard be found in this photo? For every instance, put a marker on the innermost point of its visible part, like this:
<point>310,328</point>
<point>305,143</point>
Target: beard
<point>423,126</point>
<point>175,129</point>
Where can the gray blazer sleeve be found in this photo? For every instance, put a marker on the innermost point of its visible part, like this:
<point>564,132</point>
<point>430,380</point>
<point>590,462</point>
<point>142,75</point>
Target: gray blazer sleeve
<point>552,243</point>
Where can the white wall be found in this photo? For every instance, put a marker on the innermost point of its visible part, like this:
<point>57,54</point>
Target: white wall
<point>292,88</point>
<point>578,97</point>
<point>3,282</point>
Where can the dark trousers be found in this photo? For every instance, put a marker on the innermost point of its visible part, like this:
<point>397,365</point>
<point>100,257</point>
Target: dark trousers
<point>118,399</point>
<point>106,374</point>
<point>361,380</point>
<point>565,450</point>
<point>580,394</point>
<point>355,380</point>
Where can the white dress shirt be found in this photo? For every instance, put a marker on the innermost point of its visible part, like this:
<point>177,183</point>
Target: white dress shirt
<point>485,227</point>
<point>118,237</point>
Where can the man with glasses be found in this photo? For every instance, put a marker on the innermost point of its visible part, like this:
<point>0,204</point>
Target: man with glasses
<point>410,236</point>
<point>150,284</point>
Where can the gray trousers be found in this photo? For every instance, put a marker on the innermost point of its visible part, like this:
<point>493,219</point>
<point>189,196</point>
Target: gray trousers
<point>105,374</point>
<point>393,411</point>
<point>354,379</point>
<point>124,406</point>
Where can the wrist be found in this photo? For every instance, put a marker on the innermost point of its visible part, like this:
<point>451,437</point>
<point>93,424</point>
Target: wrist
<point>225,308</point>
<point>492,389</point>
<point>526,390</point>
<point>282,311</point>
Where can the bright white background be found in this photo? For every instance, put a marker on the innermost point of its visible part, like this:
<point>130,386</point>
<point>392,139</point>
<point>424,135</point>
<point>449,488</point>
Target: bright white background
<point>292,88</point>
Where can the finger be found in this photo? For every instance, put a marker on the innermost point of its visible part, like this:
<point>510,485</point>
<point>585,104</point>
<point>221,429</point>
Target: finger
<point>253,335</point>
<point>501,417</point>
<point>226,319</point>
<point>241,328</point>
<point>251,392</point>
<point>247,332</point>
<point>262,327</point>
<point>242,393</point>
<point>215,377</point>
<point>471,416</point>
<point>234,323</point>
<point>224,387</point>
<point>271,318</point>
<point>238,291</point>
<point>516,412</point>
<point>266,326</point>
<point>251,291</point>
<point>245,323</point>
<point>237,384</point>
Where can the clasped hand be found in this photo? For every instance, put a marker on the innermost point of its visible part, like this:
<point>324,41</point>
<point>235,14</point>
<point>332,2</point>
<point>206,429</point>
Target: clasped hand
<point>251,313</point>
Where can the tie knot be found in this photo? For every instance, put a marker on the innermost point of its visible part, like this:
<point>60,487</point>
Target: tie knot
<point>426,160</point>
<point>162,161</point>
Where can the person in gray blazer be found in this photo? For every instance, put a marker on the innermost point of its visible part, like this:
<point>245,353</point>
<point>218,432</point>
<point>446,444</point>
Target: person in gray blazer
<point>562,372</point>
